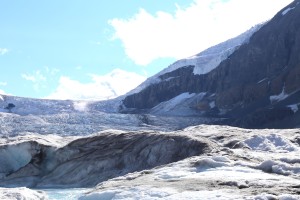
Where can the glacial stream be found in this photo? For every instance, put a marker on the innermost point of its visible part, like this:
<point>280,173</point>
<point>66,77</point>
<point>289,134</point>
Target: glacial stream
<point>65,194</point>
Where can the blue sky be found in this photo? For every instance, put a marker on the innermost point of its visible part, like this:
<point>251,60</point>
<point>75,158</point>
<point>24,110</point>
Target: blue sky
<point>97,49</point>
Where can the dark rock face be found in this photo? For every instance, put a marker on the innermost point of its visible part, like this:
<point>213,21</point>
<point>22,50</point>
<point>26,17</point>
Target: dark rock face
<point>87,161</point>
<point>172,84</point>
<point>242,84</point>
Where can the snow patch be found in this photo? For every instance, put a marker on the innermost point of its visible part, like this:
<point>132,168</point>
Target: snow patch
<point>279,97</point>
<point>287,10</point>
<point>262,80</point>
<point>173,104</point>
<point>280,197</point>
<point>214,62</point>
<point>170,78</point>
<point>212,104</point>
<point>293,107</point>
<point>182,170</point>
<point>273,142</point>
<point>278,167</point>
<point>1,98</point>
<point>214,162</point>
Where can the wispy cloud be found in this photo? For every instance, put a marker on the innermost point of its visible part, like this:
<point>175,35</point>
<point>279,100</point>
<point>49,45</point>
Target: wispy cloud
<point>188,31</point>
<point>39,78</point>
<point>51,71</point>
<point>100,87</point>
<point>3,51</point>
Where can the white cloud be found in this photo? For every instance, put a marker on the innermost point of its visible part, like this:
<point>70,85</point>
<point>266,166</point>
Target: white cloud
<point>204,23</point>
<point>37,78</point>
<point>3,51</point>
<point>108,86</point>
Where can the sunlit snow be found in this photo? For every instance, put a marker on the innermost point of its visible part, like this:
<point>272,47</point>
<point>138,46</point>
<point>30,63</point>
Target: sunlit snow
<point>287,10</point>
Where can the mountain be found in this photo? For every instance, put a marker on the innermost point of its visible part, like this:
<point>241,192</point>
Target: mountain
<point>153,150</point>
<point>250,81</point>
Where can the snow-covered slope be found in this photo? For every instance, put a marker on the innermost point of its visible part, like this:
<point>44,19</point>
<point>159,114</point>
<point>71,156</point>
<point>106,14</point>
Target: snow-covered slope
<point>204,61</point>
<point>210,58</point>
<point>178,106</point>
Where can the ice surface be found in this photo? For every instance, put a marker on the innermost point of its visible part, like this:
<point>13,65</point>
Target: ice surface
<point>85,123</point>
<point>148,193</point>
<point>264,164</point>
<point>14,157</point>
<point>65,194</point>
<point>239,161</point>
<point>21,194</point>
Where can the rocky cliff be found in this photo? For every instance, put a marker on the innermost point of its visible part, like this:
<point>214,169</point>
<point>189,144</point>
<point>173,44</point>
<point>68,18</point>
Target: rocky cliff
<point>256,86</point>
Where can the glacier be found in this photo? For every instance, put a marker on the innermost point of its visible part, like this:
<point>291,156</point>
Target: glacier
<point>240,167</point>
<point>205,161</point>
